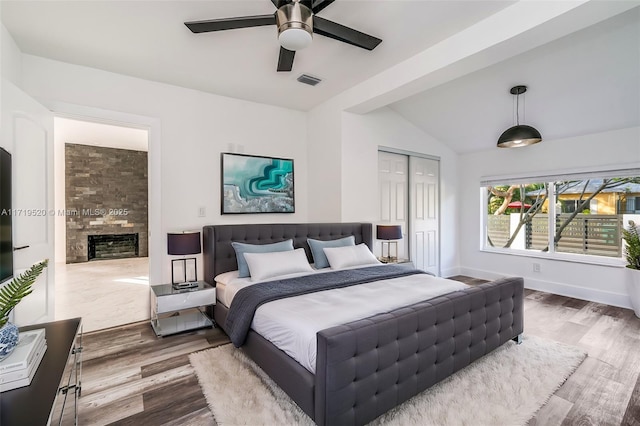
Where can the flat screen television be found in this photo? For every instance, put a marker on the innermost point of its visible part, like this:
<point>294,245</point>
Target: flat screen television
<point>6,242</point>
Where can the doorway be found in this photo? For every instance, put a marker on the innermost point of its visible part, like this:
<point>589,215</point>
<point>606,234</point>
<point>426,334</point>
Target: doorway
<point>408,187</point>
<point>101,225</point>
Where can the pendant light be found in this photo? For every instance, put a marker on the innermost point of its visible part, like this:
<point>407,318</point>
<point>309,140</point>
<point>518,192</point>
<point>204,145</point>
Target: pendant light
<point>520,134</point>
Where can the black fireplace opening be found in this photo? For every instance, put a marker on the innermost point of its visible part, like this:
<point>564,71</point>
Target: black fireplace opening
<point>113,246</point>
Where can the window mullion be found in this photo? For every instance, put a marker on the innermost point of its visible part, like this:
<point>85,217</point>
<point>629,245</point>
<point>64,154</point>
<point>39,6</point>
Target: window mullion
<point>552,216</point>
<point>484,199</point>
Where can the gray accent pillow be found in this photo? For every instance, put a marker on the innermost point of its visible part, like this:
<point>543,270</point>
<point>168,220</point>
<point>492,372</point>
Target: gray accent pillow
<point>242,248</point>
<point>317,249</point>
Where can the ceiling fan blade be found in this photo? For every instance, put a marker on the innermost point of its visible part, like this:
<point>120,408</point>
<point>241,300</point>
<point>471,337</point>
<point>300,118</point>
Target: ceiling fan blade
<point>285,60</point>
<point>345,34</point>
<point>318,5</point>
<point>230,23</point>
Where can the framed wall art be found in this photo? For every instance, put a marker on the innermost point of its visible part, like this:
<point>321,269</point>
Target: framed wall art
<point>256,184</point>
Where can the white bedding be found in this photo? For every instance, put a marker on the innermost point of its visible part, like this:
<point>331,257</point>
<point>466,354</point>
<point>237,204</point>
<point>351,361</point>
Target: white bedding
<point>292,323</point>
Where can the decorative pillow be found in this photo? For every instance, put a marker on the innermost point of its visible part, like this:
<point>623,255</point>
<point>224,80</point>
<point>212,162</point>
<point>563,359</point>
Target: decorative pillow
<point>242,248</point>
<point>269,265</point>
<point>319,258</point>
<point>343,257</point>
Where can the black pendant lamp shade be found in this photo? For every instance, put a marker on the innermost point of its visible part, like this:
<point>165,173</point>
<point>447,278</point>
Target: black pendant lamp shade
<point>520,134</point>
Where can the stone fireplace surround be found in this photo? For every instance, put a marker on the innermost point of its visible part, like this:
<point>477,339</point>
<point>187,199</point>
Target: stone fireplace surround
<point>106,194</point>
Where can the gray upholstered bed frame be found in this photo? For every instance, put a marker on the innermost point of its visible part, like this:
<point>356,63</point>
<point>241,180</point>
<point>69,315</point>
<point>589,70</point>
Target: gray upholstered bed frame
<point>367,367</point>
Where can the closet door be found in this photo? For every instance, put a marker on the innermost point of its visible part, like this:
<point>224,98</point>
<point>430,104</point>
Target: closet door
<point>393,190</point>
<point>425,210</point>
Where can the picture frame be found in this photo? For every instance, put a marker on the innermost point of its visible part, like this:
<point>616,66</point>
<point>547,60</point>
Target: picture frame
<point>253,184</point>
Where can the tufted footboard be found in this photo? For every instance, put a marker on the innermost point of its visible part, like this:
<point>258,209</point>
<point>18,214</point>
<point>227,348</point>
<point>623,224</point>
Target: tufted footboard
<point>367,367</point>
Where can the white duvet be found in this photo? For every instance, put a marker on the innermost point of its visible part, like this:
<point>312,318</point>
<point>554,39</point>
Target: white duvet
<point>292,323</point>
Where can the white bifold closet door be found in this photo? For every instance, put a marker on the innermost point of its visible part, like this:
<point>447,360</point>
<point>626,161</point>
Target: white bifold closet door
<point>408,188</point>
<point>393,187</point>
<point>425,210</point>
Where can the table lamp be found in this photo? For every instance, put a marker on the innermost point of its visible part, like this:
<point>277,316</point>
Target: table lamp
<point>182,244</point>
<point>388,233</point>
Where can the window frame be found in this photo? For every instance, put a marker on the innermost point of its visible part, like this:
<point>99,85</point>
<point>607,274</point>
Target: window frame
<point>551,177</point>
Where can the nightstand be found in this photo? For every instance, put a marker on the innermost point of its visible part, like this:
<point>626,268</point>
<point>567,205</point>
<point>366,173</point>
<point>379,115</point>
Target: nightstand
<point>403,262</point>
<point>177,310</point>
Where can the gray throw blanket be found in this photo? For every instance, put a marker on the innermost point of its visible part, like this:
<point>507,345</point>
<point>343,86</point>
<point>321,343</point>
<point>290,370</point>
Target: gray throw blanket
<point>248,299</point>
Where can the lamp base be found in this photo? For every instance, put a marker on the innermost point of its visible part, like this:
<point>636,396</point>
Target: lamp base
<point>181,269</point>
<point>388,258</point>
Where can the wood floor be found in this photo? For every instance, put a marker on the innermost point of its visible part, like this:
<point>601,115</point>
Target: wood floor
<point>130,377</point>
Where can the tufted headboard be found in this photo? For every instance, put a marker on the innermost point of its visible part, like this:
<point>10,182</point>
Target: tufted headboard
<point>219,256</point>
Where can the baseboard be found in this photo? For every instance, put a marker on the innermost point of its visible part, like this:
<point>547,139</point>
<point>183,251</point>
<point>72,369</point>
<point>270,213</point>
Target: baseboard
<point>568,290</point>
<point>450,272</point>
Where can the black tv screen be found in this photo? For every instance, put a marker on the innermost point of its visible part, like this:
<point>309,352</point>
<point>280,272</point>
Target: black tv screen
<point>6,242</point>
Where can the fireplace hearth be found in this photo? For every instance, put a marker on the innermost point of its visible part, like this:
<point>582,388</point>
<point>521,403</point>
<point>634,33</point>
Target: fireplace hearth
<point>113,246</point>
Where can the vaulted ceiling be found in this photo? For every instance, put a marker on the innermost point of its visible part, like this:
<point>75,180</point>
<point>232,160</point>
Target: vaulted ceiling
<point>584,82</point>
<point>148,39</point>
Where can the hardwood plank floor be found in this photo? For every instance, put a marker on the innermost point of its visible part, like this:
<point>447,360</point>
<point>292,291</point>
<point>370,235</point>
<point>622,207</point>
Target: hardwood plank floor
<point>132,377</point>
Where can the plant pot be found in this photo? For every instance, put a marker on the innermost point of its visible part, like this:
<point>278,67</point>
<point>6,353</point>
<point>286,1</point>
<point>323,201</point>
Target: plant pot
<point>8,339</point>
<point>633,288</point>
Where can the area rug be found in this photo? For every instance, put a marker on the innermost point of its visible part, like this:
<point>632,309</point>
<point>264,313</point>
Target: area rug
<point>506,387</point>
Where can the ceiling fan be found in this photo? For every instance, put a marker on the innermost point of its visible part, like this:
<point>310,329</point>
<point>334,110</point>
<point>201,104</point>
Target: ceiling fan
<point>296,21</point>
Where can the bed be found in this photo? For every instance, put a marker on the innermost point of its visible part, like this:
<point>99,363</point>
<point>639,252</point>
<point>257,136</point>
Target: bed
<point>368,366</point>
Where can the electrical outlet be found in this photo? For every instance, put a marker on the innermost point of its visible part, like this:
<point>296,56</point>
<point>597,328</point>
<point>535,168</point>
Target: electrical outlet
<point>202,211</point>
<point>536,267</point>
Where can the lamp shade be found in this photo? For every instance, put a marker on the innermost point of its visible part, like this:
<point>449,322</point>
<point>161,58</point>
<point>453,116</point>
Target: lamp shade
<point>183,243</point>
<point>517,136</point>
<point>389,232</point>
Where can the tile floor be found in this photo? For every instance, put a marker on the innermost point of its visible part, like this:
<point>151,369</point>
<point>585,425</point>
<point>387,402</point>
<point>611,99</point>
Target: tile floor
<point>105,293</point>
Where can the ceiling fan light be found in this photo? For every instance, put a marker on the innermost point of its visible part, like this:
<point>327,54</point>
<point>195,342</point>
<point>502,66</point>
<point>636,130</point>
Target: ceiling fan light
<point>295,38</point>
<point>295,26</point>
<point>518,136</point>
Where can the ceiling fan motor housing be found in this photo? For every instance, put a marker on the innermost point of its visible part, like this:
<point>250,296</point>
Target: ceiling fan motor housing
<point>295,25</point>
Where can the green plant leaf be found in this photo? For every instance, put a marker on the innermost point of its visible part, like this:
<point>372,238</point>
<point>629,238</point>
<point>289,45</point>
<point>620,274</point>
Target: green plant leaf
<point>631,237</point>
<point>20,287</point>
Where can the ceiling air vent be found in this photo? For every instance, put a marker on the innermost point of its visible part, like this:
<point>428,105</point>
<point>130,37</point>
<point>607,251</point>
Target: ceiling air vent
<point>307,79</point>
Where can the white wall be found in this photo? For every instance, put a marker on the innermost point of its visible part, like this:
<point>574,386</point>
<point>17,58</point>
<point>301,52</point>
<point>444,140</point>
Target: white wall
<point>10,58</point>
<point>195,128</point>
<point>362,135</point>
<point>325,163</point>
<point>606,284</point>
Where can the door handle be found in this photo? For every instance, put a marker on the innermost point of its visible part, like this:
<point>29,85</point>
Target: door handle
<point>20,248</point>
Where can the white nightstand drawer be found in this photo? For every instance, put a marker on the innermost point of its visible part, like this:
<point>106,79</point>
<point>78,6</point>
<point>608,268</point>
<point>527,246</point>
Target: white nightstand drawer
<point>186,300</point>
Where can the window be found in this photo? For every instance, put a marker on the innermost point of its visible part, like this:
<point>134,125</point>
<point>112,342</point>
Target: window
<point>577,214</point>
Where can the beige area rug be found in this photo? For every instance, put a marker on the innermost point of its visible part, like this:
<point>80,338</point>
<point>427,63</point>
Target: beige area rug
<point>506,387</point>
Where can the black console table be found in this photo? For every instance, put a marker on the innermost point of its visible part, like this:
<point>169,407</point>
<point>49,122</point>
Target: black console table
<point>55,384</point>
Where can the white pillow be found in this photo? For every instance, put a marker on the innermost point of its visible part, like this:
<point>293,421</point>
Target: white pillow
<point>343,257</point>
<point>226,277</point>
<point>269,265</point>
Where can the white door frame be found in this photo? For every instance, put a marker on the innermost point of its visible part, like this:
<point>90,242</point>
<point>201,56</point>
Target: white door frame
<point>153,126</point>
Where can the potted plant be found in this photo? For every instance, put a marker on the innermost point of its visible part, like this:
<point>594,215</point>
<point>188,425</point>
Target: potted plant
<point>10,295</point>
<point>631,237</point>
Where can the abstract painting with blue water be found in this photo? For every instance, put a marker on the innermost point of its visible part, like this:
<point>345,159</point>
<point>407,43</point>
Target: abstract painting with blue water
<point>253,184</point>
